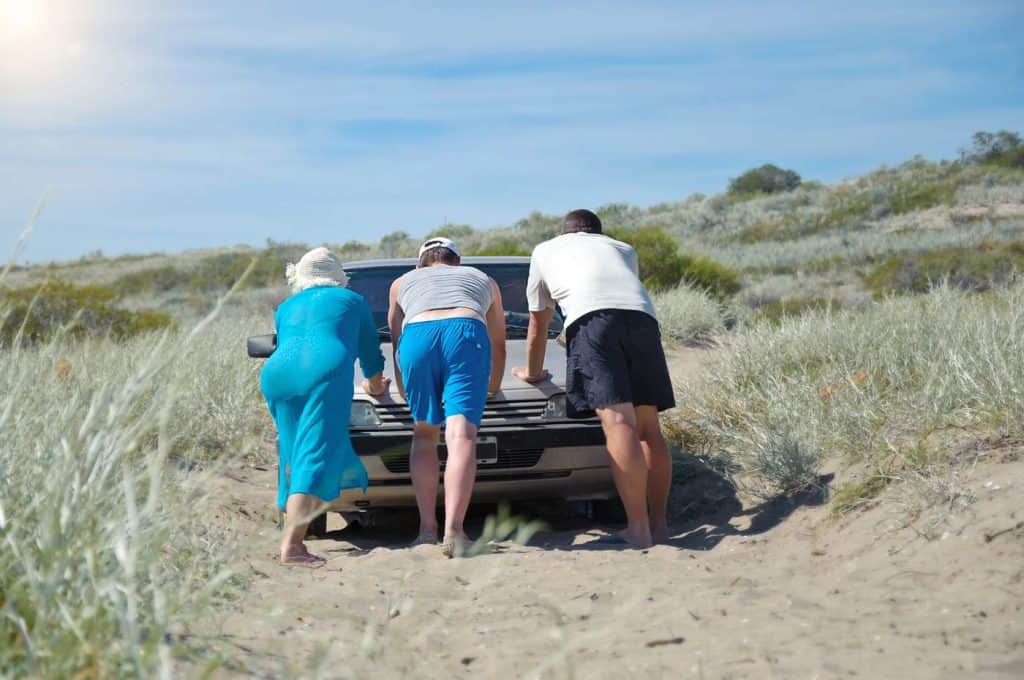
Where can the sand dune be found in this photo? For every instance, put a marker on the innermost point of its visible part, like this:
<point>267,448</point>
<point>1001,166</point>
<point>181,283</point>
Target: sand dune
<point>744,590</point>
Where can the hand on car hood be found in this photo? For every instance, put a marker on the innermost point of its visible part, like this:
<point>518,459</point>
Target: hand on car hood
<point>554,361</point>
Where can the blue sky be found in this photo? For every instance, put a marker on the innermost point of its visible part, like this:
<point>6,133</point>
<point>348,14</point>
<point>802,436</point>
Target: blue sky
<point>163,126</point>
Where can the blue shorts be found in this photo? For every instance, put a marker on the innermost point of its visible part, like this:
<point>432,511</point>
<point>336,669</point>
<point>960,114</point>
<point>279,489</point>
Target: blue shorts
<point>446,366</point>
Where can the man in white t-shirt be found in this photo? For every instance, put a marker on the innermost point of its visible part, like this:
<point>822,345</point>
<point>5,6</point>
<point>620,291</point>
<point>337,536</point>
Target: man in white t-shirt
<point>616,364</point>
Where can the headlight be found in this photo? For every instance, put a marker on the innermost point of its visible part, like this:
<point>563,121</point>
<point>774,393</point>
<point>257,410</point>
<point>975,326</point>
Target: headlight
<point>555,408</point>
<point>363,414</point>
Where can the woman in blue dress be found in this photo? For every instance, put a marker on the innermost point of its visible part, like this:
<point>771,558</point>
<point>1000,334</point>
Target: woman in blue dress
<point>308,384</point>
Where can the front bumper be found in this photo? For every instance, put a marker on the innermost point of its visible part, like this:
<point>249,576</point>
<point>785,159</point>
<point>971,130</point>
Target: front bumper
<point>554,461</point>
<point>510,438</point>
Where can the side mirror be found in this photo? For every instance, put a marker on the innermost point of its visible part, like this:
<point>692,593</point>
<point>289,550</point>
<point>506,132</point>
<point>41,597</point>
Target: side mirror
<point>261,346</point>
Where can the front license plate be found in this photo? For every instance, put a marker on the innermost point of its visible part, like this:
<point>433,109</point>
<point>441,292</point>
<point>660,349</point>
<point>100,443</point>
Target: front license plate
<point>486,451</point>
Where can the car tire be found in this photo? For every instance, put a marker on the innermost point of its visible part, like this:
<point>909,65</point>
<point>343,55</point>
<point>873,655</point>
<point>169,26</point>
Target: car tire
<point>317,526</point>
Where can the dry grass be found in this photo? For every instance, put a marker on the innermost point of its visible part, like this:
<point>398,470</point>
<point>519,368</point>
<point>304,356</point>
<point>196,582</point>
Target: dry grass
<point>688,315</point>
<point>859,385</point>
<point>107,552</point>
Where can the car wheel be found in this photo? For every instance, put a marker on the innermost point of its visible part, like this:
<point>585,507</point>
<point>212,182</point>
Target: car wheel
<point>317,527</point>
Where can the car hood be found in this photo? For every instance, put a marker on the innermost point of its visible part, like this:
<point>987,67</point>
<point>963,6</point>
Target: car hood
<point>511,388</point>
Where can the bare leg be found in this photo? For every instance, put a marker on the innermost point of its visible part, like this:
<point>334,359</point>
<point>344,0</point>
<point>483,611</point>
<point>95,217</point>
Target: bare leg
<point>300,509</point>
<point>628,469</point>
<point>459,475</point>
<point>659,470</point>
<point>425,469</point>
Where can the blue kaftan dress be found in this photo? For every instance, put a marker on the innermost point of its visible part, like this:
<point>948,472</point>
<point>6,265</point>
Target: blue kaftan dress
<point>308,385</point>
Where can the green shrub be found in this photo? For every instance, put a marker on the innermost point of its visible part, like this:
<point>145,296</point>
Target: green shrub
<point>776,310</point>
<point>766,179</point>
<point>152,280</point>
<point>452,231</point>
<point>213,273</point>
<point>42,311</point>
<point>663,267</point>
<point>906,197</point>
<point>502,246</point>
<point>1012,158</point>
<point>220,272</point>
<point>353,250</point>
<point>996,148</point>
<point>714,277</point>
<point>844,207</point>
<point>539,227</point>
<point>974,269</point>
<point>777,229</point>
<point>397,244</point>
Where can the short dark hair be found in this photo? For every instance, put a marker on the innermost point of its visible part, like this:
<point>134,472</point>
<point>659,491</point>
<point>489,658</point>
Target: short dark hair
<point>581,220</point>
<point>439,254</point>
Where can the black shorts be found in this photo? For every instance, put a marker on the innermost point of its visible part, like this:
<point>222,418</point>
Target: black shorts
<point>614,357</point>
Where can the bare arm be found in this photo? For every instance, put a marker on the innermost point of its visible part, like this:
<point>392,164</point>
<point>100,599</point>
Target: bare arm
<point>536,346</point>
<point>496,334</point>
<point>371,359</point>
<point>396,316</point>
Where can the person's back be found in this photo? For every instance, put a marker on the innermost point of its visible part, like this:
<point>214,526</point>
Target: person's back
<point>448,330</point>
<point>603,275</point>
<point>319,332</point>
<point>615,364</point>
<point>308,384</point>
<point>444,286</point>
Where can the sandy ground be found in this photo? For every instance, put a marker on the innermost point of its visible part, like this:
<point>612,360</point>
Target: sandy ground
<point>744,590</point>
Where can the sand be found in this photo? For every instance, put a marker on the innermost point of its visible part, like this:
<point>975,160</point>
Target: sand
<point>744,590</point>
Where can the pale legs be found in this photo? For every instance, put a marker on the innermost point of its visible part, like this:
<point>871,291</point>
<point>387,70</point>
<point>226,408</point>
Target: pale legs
<point>425,469</point>
<point>628,470</point>
<point>300,509</point>
<point>659,470</point>
<point>459,475</point>
<point>460,472</point>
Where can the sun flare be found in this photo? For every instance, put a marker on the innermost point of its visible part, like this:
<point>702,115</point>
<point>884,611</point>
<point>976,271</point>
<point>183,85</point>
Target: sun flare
<point>21,18</point>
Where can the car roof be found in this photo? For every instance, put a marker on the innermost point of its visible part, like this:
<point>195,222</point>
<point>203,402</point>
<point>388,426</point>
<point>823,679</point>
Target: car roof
<point>412,262</point>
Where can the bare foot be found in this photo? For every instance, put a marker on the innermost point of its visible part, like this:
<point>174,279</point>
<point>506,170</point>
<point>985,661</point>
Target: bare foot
<point>302,559</point>
<point>454,545</point>
<point>637,541</point>
<point>660,535</point>
<point>425,537</point>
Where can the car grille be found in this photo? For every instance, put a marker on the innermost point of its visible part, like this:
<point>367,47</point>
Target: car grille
<point>521,458</point>
<point>495,413</point>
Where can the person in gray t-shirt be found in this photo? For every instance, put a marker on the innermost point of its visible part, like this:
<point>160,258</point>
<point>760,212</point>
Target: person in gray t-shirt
<point>616,364</point>
<point>448,331</point>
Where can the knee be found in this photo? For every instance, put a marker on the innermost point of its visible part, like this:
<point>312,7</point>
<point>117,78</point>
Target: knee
<point>652,437</point>
<point>621,428</point>
<point>459,441</point>
<point>424,431</point>
<point>459,430</point>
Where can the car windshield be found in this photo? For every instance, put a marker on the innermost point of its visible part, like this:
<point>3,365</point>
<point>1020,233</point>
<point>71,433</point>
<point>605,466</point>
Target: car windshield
<point>374,284</point>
